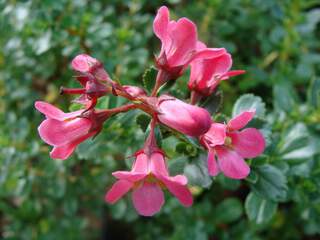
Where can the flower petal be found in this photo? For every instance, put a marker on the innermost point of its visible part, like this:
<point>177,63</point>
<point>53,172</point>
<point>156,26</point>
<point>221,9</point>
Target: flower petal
<point>249,143</point>
<point>53,112</point>
<point>141,164</point>
<point>129,176</point>
<point>158,164</point>
<point>241,120</point>
<point>148,199</point>
<point>184,40</point>
<point>160,24</point>
<point>231,163</point>
<point>64,151</point>
<point>58,133</point>
<point>213,167</point>
<point>216,135</point>
<point>118,189</point>
<point>180,191</point>
<point>181,179</point>
<point>207,53</point>
<point>232,74</point>
<point>83,63</point>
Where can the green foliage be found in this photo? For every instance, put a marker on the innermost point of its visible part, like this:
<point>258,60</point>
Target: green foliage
<point>276,42</point>
<point>258,209</point>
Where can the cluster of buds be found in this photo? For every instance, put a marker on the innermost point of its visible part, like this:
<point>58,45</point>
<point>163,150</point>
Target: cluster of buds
<point>227,146</point>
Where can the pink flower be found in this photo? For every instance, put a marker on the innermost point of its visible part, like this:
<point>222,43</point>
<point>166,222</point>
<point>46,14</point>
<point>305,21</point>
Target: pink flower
<point>186,118</point>
<point>93,78</point>
<point>86,64</point>
<point>231,146</point>
<point>149,175</point>
<point>63,131</point>
<point>206,74</point>
<point>179,40</point>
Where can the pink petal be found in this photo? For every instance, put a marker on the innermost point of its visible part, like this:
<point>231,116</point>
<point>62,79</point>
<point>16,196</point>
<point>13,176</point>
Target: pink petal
<point>58,133</point>
<point>83,63</point>
<point>216,135</point>
<point>53,112</point>
<point>184,40</point>
<point>141,164</point>
<point>158,164</point>
<point>49,110</point>
<point>221,64</point>
<point>64,151</point>
<point>233,73</point>
<point>241,120</point>
<point>181,192</point>
<point>181,179</point>
<point>134,91</point>
<point>129,176</point>
<point>160,24</point>
<point>249,143</point>
<point>213,167</point>
<point>207,53</point>
<point>118,189</point>
<point>148,199</point>
<point>231,163</point>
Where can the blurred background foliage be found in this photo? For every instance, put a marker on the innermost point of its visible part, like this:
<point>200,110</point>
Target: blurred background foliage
<point>276,42</point>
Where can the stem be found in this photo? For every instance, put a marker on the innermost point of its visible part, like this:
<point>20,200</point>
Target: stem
<point>195,98</point>
<point>64,90</point>
<point>124,108</point>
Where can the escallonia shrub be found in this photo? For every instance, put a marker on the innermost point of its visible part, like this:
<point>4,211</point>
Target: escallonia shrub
<point>228,144</point>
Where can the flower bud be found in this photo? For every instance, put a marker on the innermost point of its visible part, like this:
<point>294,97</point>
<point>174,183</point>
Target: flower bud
<point>134,91</point>
<point>188,119</point>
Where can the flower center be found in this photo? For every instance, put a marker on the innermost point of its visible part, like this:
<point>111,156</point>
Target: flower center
<point>228,142</point>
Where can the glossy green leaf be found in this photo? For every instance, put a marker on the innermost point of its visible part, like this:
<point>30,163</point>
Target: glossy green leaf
<point>258,209</point>
<point>249,102</point>
<point>271,183</point>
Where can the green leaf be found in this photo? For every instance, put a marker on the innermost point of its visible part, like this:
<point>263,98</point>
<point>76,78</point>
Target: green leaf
<point>253,177</point>
<point>271,183</point>
<point>258,209</point>
<point>228,211</point>
<point>187,149</point>
<point>297,143</point>
<point>295,137</point>
<point>149,78</point>
<point>143,121</point>
<point>213,102</point>
<point>249,102</point>
<point>197,172</point>
<point>314,93</point>
<point>284,96</point>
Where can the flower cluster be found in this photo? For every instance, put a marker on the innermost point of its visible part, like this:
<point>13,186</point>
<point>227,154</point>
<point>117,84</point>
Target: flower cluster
<point>227,144</point>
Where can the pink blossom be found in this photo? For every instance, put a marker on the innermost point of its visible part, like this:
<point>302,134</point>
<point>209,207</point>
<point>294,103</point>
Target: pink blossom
<point>149,175</point>
<point>231,146</point>
<point>85,64</point>
<point>206,74</point>
<point>93,78</point>
<point>183,117</point>
<point>63,131</point>
<point>179,40</point>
